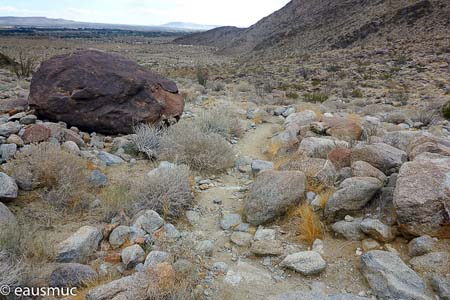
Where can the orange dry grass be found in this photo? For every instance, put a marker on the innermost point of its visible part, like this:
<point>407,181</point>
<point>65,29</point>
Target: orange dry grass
<point>310,226</point>
<point>273,149</point>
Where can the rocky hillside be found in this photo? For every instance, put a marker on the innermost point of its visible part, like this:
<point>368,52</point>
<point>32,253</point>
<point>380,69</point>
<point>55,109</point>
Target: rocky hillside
<point>327,24</point>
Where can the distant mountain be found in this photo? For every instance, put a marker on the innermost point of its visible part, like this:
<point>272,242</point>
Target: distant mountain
<point>62,23</point>
<point>192,26</point>
<point>328,24</point>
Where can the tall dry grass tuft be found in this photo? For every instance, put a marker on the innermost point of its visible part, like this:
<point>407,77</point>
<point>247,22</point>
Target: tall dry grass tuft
<point>310,226</point>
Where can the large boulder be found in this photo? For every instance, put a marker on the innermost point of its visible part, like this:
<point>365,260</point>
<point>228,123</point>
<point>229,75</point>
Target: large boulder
<point>80,245</point>
<point>390,278</point>
<point>351,197</point>
<point>343,128</point>
<point>319,147</point>
<point>381,156</point>
<point>422,196</point>
<point>102,92</point>
<point>272,193</point>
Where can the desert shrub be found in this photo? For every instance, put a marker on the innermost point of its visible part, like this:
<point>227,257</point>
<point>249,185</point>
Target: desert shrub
<point>61,174</point>
<point>446,110</point>
<point>310,226</point>
<point>218,86</point>
<point>316,97</point>
<point>11,271</point>
<point>427,116</point>
<point>202,75</point>
<point>399,95</point>
<point>357,93</point>
<point>166,191</point>
<point>147,138</point>
<point>24,65</point>
<point>333,68</point>
<point>115,199</point>
<point>244,86</point>
<point>292,95</point>
<point>186,143</point>
<point>219,121</point>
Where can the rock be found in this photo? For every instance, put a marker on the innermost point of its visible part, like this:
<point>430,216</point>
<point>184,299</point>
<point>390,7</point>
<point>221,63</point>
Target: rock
<point>267,247</point>
<point>229,221</point>
<point>129,287</point>
<point>318,246</point>
<point>149,221</point>
<point>72,136</point>
<point>390,278</point>
<point>430,144</point>
<point>9,128</point>
<point>245,273</point>
<point>351,196</point>
<point>70,146</point>
<point>220,267</point>
<point>377,230</point>
<point>28,120</point>
<point>7,151</point>
<point>171,232</point>
<point>98,179</point>
<point>301,118</point>
<point>349,230</point>
<point>122,234</point>
<point>154,258</point>
<point>109,159</point>
<point>102,92</point>
<point>205,247</point>
<point>242,239</point>
<point>343,128</point>
<point>8,187</point>
<point>433,262</point>
<point>184,267</point>
<point>381,156</point>
<point>264,234</point>
<point>8,223</point>
<point>421,197</point>
<point>400,139</point>
<point>72,275</point>
<point>340,157</point>
<point>36,133</point>
<point>80,245</point>
<point>316,147</point>
<point>363,169</point>
<point>315,295</point>
<point>193,217</point>
<point>272,193</point>
<point>307,263</point>
<point>420,245</point>
<point>15,139</point>
<point>132,255</point>
<point>261,165</point>
<point>441,286</point>
<point>370,244</point>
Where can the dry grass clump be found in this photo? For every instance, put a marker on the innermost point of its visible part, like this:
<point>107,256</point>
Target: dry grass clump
<point>147,138</point>
<point>115,199</point>
<point>171,286</point>
<point>11,271</point>
<point>186,143</point>
<point>219,121</point>
<point>61,174</point>
<point>310,226</point>
<point>166,191</point>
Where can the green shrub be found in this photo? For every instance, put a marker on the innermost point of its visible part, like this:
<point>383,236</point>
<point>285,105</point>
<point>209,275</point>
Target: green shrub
<point>202,76</point>
<point>446,110</point>
<point>316,97</point>
<point>292,95</point>
<point>357,93</point>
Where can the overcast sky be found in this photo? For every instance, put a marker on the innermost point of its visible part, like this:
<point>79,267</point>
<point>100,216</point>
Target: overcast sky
<point>241,13</point>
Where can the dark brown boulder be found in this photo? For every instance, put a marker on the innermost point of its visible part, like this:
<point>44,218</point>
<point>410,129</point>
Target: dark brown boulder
<point>101,92</point>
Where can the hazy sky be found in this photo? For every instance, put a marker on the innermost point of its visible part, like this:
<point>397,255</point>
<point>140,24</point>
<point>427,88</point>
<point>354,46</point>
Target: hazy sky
<point>146,12</point>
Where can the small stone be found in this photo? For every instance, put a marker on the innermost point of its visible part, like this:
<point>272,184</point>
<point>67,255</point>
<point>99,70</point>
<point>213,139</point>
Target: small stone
<point>370,244</point>
<point>15,139</point>
<point>441,286</point>
<point>7,151</point>
<point>230,221</point>
<point>377,230</point>
<point>132,255</point>
<point>70,146</point>
<point>261,165</point>
<point>318,246</point>
<point>264,234</point>
<point>148,220</point>
<point>350,230</point>
<point>80,245</point>
<point>242,239</point>
<point>220,267</point>
<point>123,234</point>
<point>267,247</point>
<point>109,159</point>
<point>307,263</point>
<point>193,217</point>
<point>205,247</point>
<point>433,262</point>
<point>72,275</point>
<point>98,179</point>
<point>28,120</point>
<point>154,258</point>
<point>420,245</point>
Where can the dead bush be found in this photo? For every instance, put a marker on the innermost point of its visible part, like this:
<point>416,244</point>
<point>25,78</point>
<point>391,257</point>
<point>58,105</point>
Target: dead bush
<point>24,65</point>
<point>116,198</point>
<point>219,121</point>
<point>147,138</point>
<point>61,174</point>
<point>166,191</point>
<point>11,271</point>
<point>185,143</point>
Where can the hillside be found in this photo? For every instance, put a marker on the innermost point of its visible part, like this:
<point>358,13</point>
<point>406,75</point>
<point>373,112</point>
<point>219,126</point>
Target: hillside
<point>324,24</point>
